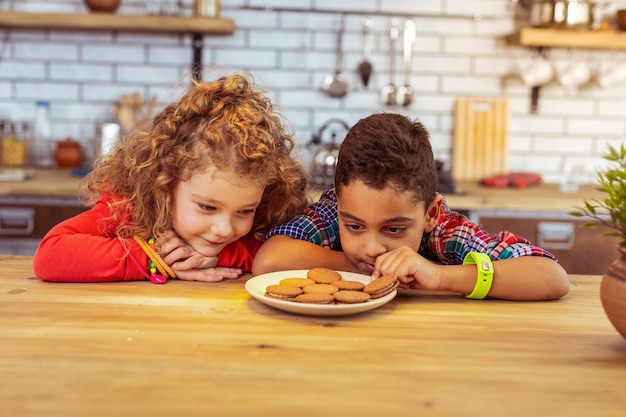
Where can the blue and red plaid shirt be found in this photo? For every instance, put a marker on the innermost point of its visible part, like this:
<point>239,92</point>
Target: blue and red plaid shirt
<point>453,237</point>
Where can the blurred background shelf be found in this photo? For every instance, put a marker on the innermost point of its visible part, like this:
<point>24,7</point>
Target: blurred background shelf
<point>590,39</point>
<point>105,21</point>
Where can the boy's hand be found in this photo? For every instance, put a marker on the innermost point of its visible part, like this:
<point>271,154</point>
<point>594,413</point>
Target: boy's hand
<point>190,265</point>
<point>411,268</point>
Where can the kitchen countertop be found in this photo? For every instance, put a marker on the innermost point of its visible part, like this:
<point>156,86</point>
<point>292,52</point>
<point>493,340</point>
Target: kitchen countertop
<point>44,183</point>
<point>471,196</point>
<point>198,349</point>
<point>543,197</point>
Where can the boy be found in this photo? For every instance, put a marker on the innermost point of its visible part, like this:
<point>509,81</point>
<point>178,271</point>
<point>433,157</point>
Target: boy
<point>385,217</point>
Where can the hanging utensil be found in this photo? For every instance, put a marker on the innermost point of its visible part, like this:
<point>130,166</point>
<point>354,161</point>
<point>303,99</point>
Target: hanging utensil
<point>404,95</point>
<point>388,92</point>
<point>335,85</point>
<point>365,66</point>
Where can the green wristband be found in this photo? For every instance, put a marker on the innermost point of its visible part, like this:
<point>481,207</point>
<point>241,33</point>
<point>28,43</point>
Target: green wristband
<point>485,274</point>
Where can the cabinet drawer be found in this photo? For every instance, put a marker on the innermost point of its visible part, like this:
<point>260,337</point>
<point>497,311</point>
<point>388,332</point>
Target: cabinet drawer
<point>580,250</point>
<point>33,218</point>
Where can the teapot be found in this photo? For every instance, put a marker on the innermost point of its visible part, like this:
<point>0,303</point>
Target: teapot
<point>325,157</point>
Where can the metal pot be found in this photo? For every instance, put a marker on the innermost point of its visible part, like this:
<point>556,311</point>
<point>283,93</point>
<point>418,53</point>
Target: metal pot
<point>562,14</point>
<point>325,158</point>
<point>572,14</point>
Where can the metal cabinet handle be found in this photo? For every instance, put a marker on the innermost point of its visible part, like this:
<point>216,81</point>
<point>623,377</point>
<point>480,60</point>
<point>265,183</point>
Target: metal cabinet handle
<point>17,221</point>
<point>555,235</point>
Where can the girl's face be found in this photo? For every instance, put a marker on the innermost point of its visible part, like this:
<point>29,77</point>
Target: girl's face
<point>373,222</point>
<point>213,209</point>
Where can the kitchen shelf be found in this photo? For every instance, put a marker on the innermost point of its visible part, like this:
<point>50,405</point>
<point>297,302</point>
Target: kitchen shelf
<point>564,38</point>
<point>196,26</point>
<point>111,21</point>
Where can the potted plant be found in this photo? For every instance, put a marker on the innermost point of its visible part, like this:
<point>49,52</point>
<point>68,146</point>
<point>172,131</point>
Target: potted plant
<point>611,212</point>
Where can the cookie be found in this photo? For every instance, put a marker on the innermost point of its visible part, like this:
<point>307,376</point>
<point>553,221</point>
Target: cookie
<point>282,292</point>
<point>323,275</point>
<point>297,282</point>
<point>382,286</point>
<point>315,298</point>
<point>320,289</point>
<point>351,296</point>
<point>349,285</point>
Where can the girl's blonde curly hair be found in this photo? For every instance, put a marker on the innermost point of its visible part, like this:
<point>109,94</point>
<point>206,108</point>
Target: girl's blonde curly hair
<point>226,123</point>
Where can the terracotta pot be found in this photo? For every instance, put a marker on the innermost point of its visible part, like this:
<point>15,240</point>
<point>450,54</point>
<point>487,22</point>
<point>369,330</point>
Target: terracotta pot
<point>613,293</point>
<point>107,6</point>
<point>68,154</point>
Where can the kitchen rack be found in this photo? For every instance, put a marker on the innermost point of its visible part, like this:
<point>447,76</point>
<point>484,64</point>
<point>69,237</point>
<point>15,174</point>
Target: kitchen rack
<point>542,38</point>
<point>111,21</point>
<point>196,26</point>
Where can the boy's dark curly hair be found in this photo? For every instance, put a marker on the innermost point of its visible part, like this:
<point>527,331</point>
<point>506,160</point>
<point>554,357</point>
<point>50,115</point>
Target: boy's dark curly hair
<point>388,150</point>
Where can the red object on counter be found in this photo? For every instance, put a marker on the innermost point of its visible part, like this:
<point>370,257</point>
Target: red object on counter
<point>512,179</point>
<point>68,154</point>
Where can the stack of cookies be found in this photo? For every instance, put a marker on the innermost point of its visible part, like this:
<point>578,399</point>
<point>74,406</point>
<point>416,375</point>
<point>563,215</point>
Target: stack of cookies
<point>326,286</point>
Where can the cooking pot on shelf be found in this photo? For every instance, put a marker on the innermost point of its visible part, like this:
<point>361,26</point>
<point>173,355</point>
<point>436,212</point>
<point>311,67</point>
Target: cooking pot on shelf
<point>572,14</point>
<point>562,14</point>
<point>322,173</point>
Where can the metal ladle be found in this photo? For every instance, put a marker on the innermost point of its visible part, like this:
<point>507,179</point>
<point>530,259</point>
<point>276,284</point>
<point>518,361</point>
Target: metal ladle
<point>335,85</point>
<point>365,67</point>
<point>388,92</point>
<point>404,95</point>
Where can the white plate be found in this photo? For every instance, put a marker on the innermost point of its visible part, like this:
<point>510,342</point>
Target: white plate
<point>256,288</point>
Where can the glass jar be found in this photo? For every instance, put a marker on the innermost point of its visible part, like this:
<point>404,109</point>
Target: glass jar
<point>42,145</point>
<point>14,144</point>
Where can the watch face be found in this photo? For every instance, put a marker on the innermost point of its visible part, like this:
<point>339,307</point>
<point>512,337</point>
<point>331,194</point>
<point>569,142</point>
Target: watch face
<point>485,266</point>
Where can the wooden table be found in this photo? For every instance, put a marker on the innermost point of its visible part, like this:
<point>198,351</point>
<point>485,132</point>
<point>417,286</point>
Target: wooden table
<point>195,349</point>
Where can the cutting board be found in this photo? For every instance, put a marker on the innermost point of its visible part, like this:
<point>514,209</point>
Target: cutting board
<point>480,142</point>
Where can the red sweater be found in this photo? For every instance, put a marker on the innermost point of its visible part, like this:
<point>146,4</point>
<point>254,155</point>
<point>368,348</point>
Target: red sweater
<point>76,251</point>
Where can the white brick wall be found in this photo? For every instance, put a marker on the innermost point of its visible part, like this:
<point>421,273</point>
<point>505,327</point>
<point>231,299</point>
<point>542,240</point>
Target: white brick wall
<point>83,73</point>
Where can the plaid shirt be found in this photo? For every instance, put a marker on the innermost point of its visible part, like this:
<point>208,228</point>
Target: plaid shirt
<point>448,243</point>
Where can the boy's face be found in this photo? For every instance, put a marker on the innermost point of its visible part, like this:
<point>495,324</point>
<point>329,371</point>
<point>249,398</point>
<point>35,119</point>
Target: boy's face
<point>373,222</point>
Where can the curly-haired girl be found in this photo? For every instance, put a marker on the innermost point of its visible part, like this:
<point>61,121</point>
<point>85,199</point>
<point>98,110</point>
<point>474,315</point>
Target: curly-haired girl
<point>189,197</point>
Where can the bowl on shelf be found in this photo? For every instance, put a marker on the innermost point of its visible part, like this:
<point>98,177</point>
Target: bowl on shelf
<point>108,6</point>
<point>620,19</point>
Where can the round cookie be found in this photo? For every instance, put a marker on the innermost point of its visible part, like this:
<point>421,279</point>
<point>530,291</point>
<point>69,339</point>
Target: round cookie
<point>349,285</point>
<point>282,292</point>
<point>315,298</point>
<point>320,289</point>
<point>382,286</point>
<point>351,296</point>
<point>297,282</point>
<point>323,275</point>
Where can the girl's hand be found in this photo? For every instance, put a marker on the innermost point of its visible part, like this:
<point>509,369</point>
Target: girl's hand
<point>412,269</point>
<point>175,251</point>
<point>190,265</point>
<point>209,274</point>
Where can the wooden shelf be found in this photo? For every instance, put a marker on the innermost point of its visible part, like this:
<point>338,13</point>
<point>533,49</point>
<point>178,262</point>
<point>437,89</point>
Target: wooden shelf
<point>588,39</point>
<point>108,21</point>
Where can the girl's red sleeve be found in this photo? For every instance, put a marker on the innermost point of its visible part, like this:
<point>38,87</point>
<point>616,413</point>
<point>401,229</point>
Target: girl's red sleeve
<point>239,254</point>
<point>75,250</point>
